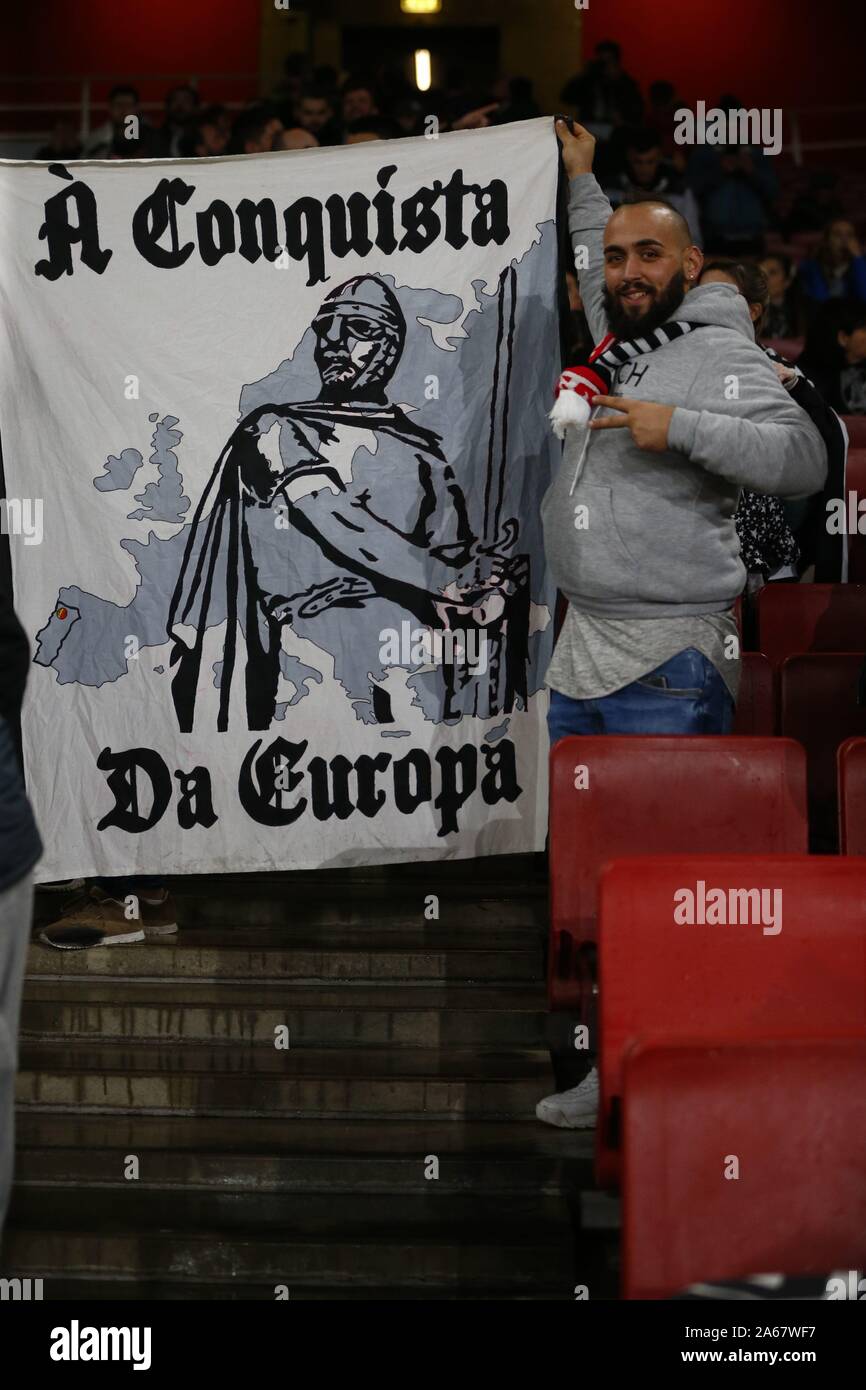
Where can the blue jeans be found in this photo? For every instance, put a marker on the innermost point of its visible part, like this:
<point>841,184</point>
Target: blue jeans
<point>685,695</point>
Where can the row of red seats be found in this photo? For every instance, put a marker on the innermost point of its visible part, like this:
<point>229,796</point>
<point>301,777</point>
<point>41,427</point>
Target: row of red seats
<point>813,698</point>
<point>723,1044</point>
<point>794,1115</point>
<point>805,682</point>
<point>613,796</point>
<point>718,998</point>
<point>797,618</point>
<point>732,1066</point>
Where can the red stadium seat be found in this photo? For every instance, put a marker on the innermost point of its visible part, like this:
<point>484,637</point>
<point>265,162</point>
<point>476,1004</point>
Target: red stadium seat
<point>855,482</point>
<point>793,1114</point>
<point>657,795</point>
<point>796,618</point>
<point>856,427</point>
<point>851,764</point>
<point>756,704</point>
<point>660,979</point>
<point>818,708</point>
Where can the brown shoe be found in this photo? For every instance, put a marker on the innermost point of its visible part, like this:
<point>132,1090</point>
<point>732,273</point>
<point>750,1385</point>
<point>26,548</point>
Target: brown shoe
<point>158,914</point>
<point>95,920</point>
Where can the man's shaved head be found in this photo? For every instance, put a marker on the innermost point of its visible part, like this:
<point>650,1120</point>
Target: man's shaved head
<point>649,264</point>
<point>665,219</point>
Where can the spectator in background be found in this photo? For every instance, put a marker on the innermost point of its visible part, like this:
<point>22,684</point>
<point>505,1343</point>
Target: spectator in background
<point>359,101</point>
<point>519,103</point>
<point>392,88</point>
<point>326,77</point>
<point>735,187</point>
<point>371,128</point>
<point>784,316</point>
<point>63,143</point>
<point>812,210</point>
<point>295,138</point>
<point>255,130</point>
<point>835,355</point>
<point>577,337</point>
<point>20,848</point>
<point>286,96</point>
<point>648,175</point>
<point>838,270</point>
<point>478,119</point>
<point>604,91</point>
<point>409,115</point>
<point>765,538</point>
<point>316,114</point>
<point>209,137</point>
<point>768,548</point>
<point>122,103</point>
<point>181,116</point>
<point>661,117</point>
<point>123,148</point>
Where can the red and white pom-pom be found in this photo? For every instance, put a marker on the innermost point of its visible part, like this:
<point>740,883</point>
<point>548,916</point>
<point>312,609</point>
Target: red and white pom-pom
<point>573,405</point>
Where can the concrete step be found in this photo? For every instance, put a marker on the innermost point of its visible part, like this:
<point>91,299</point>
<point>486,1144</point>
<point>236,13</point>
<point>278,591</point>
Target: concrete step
<point>116,1288</point>
<point>357,1015</point>
<point>401,911</point>
<point>514,1243</point>
<point>162,1079</point>
<point>524,1266</point>
<point>202,1153</point>
<point>330,954</point>
<point>479,902</point>
<point>287,1215</point>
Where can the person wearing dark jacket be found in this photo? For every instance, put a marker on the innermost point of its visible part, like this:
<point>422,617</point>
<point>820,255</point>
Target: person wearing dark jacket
<point>769,548</point>
<point>604,91</point>
<point>20,848</point>
<point>838,270</point>
<point>835,355</point>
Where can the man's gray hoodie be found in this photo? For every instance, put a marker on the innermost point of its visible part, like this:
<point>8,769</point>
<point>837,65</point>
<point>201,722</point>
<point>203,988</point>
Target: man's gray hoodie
<point>652,535</point>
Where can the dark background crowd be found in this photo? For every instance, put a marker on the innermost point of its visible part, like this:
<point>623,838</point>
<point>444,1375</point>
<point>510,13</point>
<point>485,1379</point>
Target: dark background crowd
<point>802,228</point>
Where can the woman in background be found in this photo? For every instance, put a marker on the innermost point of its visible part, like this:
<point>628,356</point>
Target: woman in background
<point>766,527</point>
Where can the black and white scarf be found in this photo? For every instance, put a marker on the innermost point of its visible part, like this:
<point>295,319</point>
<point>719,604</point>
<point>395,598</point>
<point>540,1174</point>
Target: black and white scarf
<point>578,385</point>
<point>614,352</point>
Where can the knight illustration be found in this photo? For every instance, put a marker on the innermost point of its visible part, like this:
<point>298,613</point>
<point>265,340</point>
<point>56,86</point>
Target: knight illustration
<point>342,502</point>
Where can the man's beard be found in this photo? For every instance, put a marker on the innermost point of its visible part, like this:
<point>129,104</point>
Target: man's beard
<point>622,324</point>
<point>339,370</point>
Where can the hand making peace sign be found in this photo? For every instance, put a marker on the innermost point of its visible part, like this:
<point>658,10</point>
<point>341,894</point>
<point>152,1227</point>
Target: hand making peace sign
<point>649,423</point>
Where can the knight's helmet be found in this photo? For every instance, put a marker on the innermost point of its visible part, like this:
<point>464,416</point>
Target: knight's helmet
<point>371,311</point>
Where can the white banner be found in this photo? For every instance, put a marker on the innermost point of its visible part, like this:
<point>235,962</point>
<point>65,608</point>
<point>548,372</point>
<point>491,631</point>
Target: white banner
<point>274,439</point>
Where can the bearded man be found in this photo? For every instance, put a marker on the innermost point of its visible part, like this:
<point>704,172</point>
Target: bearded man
<point>695,413</point>
<point>639,522</point>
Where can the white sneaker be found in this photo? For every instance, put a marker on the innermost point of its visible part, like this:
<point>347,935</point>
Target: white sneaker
<point>574,1109</point>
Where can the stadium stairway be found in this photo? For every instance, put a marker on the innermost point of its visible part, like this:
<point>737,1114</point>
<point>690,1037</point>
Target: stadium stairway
<point>168,1148</point>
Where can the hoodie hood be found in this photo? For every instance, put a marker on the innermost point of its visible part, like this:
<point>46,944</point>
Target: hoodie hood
<point>720,305</point>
